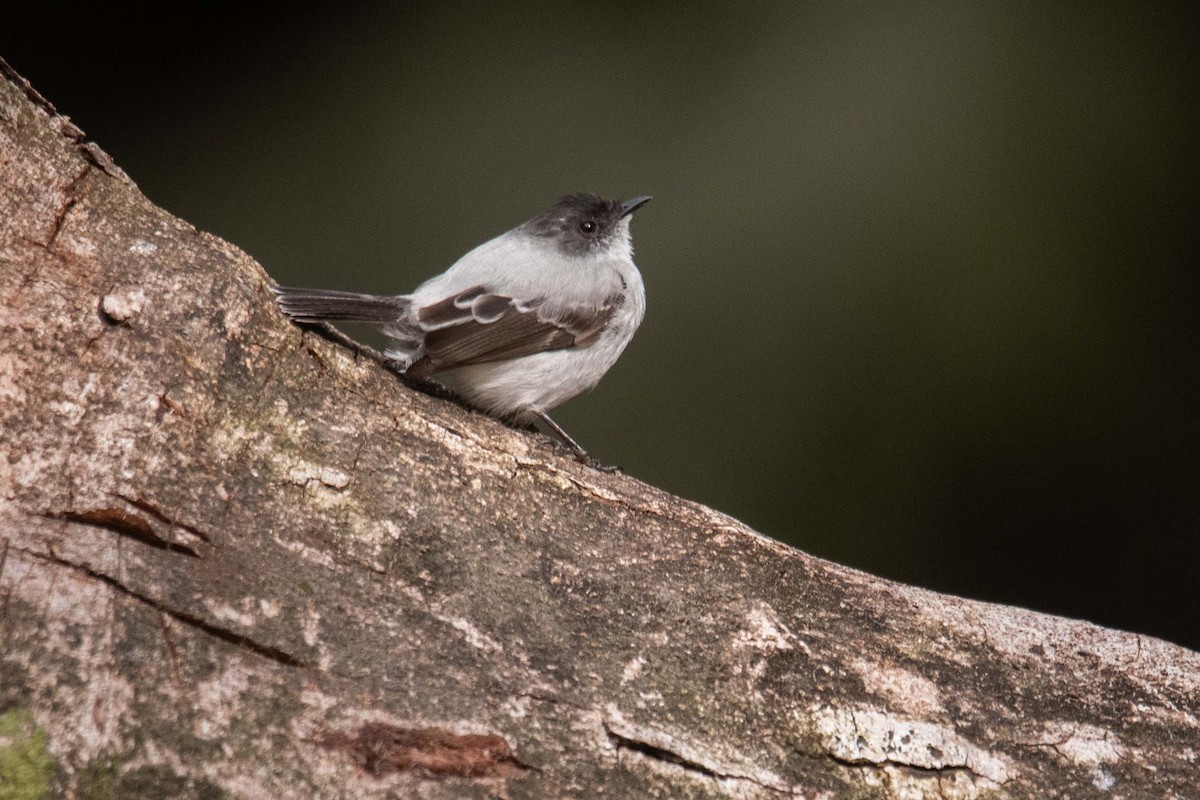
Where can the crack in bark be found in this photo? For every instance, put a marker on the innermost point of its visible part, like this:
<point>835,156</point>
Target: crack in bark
<point>60,216</point>
<point>160,515</point>
<point>123,523</point>
<point>59,219</point>
<point>216,631</point>
<point>620,742</point>
<point>656,752</point>
<point>541,697</point>
<point>949,769</point>
<point>583,488</point>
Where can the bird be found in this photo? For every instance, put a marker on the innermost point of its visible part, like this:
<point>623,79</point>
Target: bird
<point>521,323</point>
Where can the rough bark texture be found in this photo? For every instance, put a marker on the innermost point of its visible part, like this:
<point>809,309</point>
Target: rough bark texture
<point>238,561</point>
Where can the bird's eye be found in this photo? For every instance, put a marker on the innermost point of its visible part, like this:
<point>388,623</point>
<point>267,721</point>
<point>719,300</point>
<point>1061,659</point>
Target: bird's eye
<point>588,226</point>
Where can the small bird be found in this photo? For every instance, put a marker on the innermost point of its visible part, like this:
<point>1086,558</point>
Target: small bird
<point>520,324</point>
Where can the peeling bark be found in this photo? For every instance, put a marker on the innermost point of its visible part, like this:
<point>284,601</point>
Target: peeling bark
<point>240,559</point>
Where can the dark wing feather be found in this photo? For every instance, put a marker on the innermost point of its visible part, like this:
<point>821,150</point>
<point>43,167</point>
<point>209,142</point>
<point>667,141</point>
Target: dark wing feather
<point>451,311</point>
<point>476,327</point>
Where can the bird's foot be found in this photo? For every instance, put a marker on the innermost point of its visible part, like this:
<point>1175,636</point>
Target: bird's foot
<point>577,453</point>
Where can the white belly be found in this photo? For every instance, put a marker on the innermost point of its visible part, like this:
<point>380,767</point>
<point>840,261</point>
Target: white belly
<point>543,380</point>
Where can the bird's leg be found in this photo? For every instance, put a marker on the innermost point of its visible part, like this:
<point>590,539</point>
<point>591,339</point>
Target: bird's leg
<point>563,437</point>
<point>580,454</point>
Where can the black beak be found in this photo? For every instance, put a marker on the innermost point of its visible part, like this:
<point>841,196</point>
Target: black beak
<point>630,206</point>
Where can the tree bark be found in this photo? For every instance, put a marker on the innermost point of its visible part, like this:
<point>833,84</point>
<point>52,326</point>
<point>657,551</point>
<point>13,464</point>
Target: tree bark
<point>237,559</point>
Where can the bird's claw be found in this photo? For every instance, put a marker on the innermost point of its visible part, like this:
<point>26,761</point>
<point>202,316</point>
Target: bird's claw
<point>562,448</point>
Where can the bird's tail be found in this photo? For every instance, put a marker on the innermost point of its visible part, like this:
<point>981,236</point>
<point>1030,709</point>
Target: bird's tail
<point>325,305</point>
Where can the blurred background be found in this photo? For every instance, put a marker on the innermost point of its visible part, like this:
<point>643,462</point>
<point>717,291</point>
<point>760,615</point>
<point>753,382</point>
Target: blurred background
<point>922,279</point>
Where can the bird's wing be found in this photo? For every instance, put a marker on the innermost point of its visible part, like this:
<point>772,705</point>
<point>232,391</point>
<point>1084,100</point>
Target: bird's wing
<point>476,326</point>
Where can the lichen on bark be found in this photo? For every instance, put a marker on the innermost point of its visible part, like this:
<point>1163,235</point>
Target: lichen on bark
<point>26,768</point>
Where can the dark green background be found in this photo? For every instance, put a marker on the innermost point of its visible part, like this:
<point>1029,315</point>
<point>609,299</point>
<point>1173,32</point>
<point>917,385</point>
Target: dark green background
<point>922,279</point>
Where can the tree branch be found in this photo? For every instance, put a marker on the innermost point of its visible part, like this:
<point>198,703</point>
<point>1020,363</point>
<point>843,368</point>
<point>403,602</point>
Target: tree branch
<point>236,558</point>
